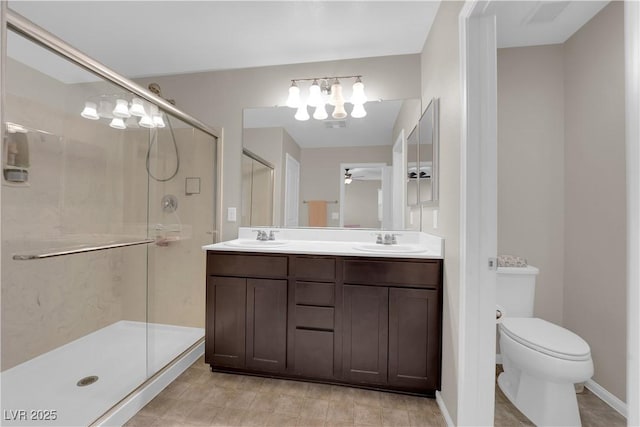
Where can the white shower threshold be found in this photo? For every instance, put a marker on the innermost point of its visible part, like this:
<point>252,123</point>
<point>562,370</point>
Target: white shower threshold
<point>44,392</point>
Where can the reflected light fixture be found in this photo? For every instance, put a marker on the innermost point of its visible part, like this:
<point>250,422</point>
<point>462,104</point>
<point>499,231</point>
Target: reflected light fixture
<point>123,114</point>
<point>339,112</point>
<point>137,108</point>
<point>327,90</point>
<point>122,109</point>
<point>321,112</point>
<point>302,114</point>
<point>90,111</point>
<point>117,123</point>
<point>347,177</point>
<point>358,111</point>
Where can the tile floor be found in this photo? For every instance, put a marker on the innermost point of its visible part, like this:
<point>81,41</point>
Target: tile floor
<point>200,397</point>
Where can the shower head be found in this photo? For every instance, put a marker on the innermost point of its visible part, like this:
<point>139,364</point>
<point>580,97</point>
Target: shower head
<point>155,88</point>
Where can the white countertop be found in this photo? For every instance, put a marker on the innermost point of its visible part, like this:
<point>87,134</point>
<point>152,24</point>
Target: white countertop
<point>343,242</point>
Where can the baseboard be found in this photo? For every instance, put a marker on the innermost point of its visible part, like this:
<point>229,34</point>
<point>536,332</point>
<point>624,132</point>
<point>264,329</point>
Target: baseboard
<point>443,409</point>
<point>129,406</point>
<point>607,397</point>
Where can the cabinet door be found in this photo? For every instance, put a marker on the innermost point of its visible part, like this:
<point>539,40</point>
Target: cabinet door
<point>414,344</point>
<point>225,321</point>
<point>365,334</point>
<point>266,324</point>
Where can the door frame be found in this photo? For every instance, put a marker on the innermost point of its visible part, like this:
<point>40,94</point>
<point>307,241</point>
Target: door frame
<point>478,215</point>
<point>632,137</point>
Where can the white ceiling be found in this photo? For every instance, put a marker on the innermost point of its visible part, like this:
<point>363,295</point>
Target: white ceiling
<point>532,23</point>
<point>147,38</point>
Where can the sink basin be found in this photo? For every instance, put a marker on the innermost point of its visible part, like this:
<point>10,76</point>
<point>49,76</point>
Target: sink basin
<point>249,243</point>
<point>389,248</point>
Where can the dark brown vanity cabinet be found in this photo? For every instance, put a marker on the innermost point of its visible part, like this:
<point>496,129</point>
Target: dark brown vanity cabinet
<point>373,322</point>
<point>313,329</point>
<point>246,317</point>
<point>392,323</point>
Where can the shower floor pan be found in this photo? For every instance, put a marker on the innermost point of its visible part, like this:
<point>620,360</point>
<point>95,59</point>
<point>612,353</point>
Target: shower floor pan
<point>49,390</point>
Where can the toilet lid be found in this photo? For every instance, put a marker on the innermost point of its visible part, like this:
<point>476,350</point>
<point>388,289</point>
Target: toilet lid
<point>546,337</point>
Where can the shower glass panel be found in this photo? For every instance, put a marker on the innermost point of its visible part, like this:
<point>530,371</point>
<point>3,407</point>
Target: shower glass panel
<point>102,275</point>
<point>181,197</point>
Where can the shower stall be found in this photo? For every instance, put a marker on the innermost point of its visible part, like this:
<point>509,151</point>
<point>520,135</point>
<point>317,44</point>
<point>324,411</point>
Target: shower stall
<point>108,193</point>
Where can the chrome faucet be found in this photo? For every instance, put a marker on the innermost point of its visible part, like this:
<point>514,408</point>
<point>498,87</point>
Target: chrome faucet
<point>272,235</point>
<point>262,235</point>
<point>388,239</point>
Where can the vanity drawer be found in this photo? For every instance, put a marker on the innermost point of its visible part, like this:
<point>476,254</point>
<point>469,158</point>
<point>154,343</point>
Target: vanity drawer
<point>311,293</point>
<point>423,273</point>
<point>225,264</point>
<point>315,268</point>
<point>314,317</point>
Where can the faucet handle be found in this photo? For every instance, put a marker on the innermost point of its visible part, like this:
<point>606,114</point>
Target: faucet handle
<point>379,238</point>
<point>272,235</point>
<point>394,241</point>
<point>262,235</point>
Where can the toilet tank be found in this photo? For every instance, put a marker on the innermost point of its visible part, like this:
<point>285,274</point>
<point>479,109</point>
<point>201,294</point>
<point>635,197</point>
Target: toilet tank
<point>516,288</point>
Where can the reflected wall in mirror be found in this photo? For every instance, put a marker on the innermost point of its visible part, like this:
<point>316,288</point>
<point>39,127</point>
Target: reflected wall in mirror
<point>257,191</point>
<point>422,159</point>
<point>324,147</point>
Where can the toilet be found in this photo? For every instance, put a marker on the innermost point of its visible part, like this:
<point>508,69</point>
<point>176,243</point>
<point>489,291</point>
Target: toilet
<point>542,361</point>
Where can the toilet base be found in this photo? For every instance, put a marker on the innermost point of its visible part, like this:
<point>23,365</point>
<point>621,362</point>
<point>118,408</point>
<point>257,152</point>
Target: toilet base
<point>544,402</point>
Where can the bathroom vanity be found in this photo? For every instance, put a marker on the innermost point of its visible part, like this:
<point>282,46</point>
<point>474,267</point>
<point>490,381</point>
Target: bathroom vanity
<point>332,311</point>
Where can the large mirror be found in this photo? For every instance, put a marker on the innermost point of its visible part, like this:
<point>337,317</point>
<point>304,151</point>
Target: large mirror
<point>350,172</point>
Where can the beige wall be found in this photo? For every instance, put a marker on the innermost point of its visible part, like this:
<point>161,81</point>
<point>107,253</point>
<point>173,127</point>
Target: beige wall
<point>595,235</point>
<point>441,79</point>
<point>361,204</point>
<point>218,98</point>
<point>320,174</point>
<point>531,166</point>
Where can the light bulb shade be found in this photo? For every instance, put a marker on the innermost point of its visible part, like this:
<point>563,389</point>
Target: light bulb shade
<point>358,96</point>
<point>348,180</point>
<point>158,121</point>
<point>90,111</point>
<point>321,112</point>
<point>358,111</point>
<point>146,122</point>
<point>137,108</point>
<point>339,112</point>
<point>302,114</point>
<point>122,109</point>
<point>105,109</point>
<point>293,101</point>
<point>117,123</point>
<point>315,95</point>
<point>336,94</point>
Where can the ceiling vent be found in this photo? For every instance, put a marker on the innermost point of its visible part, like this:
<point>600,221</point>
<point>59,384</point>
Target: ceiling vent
<point>335,124</point>
<point>545,12</point>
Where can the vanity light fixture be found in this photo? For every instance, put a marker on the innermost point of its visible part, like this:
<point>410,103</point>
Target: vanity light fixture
<point>327,90</point>
<point>293,101</point>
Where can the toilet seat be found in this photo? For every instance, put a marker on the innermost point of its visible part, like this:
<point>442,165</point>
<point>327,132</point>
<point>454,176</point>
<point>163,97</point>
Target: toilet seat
<point>547,338</point>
